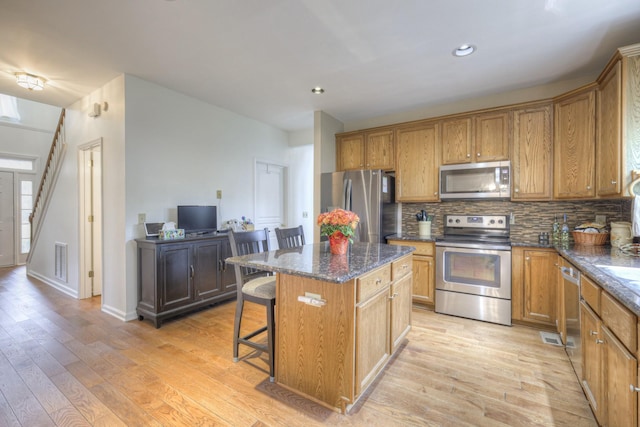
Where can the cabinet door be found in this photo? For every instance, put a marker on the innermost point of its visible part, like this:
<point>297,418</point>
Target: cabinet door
<point>609,141</point>
<point>532,160</point>
<point>540,284</point>
<point>621,372</point>
<point>350,152</point>
<point>206,280</point>
<point>424,277</point>
<point>175,276</point>
<point>591,359</point>
<point>379,152</point>
<point>574,154</point>
<point>418,150</point>
<point>491,132</point>
<point>372,345</point>
<point>400,310</point>
<point>456,141</point>
<point>228,273</point>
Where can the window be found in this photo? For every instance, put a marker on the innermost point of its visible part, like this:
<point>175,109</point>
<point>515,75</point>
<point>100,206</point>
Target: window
<point>26,206</point>
<point>24,164</point>
<point>9,108</point>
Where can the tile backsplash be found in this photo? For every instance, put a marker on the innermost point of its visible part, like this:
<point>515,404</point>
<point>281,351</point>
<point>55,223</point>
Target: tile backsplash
<point>531,218</point>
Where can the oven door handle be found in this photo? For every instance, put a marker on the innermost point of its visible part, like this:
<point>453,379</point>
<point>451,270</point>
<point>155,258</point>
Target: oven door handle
<point>490,247</point>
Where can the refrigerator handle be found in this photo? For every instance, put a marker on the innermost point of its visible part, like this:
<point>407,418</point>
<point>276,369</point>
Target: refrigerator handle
<point>347,195</point>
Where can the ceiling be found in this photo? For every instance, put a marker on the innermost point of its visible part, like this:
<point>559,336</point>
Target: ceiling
<point>261,58</point>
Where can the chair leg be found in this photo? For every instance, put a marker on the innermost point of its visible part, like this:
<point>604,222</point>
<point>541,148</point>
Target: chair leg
<point>236,327</point>
<point>271,338</point>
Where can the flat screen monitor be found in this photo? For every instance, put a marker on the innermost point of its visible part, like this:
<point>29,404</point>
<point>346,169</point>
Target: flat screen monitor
<point>197,219</point>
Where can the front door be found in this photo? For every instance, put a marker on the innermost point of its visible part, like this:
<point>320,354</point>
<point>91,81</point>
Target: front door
<point>7,232</point>
<point>270,198</point>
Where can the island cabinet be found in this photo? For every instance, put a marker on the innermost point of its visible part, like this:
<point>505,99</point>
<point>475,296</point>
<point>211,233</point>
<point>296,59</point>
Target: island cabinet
<point>574,144</point>
<point>417,163</point>
<point>610,367</point>
<point>534,285</point>
<point>482,137</point>
<point>179,276</point>
<point>532,152</point>
<point>618,118</point>
<point>365,150</point>
<point>424,274</point>
<point>331,351</point>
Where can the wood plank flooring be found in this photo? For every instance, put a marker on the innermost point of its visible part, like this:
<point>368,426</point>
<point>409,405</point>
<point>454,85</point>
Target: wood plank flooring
<point>64,362</point>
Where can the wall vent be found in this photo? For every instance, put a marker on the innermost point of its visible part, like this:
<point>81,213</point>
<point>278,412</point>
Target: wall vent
<point>61,261</point>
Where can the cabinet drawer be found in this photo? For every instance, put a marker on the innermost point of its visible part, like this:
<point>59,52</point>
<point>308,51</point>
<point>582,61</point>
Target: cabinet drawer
<point>619,320</point>
<point>401,267</point>
<point>372,282</point>
<point>423,248</point>
<point>590,292</point>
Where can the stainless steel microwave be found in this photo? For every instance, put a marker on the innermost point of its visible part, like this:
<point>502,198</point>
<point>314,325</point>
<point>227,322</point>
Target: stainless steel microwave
<point>491,180</point>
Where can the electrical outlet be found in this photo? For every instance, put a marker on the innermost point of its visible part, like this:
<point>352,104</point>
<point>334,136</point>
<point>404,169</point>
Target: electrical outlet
<point>512,219</point>
<point>305,214</point>
<point>601,219</point>
<point>142,218</point>
<point>219,194</point>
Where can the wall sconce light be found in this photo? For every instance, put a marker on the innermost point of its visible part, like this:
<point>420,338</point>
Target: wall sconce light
<point>98,109</point>
<point>30,81</point>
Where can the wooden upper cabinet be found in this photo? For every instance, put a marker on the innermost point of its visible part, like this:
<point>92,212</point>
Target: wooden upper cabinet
<point>608,142</point>
<point>618,118</point>
<point>532,157</point>
<point>418,152</point>
<point>379,152</point>
<point>491,142</point>
<point>574,145</point>
<point>456,141</point>
<point>350,152</point>
<point>366,150</point>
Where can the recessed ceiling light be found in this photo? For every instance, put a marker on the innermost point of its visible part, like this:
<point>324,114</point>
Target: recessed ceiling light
<point>464,50</point>
<point>317,90</point>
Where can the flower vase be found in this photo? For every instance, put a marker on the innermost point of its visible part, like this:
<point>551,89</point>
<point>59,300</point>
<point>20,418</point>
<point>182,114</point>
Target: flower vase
<point>338,243</point>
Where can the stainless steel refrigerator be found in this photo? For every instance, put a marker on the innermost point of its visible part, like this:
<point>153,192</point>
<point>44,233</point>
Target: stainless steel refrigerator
<point>368,193</point>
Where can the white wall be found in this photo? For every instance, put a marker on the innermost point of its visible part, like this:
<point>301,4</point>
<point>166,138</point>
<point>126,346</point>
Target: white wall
<point>180,151</point>
<point>61,223</point>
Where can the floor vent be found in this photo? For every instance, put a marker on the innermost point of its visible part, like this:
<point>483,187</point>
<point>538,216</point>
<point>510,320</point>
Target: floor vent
<point>551,338</point>
<point>61,261</point>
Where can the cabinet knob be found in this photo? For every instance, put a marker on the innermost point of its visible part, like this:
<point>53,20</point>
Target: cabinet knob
<point>478,154</point>
<point>435,193</point>
<point>393,296</point>
<point>599,341</point>
<point>593,333</point>
<point>468,155</point>
<point>516,190</point>
<point>527,258</point>
<point>192,271</point>
<point>633,388</point>
<point>588,187</point>
<point>614,182</point>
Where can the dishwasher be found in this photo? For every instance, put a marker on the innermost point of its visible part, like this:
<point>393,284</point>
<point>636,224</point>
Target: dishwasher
<point>571,290</point>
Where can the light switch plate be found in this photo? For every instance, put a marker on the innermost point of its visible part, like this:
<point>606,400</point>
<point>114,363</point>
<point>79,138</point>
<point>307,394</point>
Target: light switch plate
<point>601,219</point>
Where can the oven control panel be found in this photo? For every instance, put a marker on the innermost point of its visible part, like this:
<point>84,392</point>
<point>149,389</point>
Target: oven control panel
<point>496,222</point>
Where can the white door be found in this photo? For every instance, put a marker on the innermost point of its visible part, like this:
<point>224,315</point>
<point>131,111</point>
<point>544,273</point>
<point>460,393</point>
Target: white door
<point>90,164</point>
<point>270,198</point>
<point>7,231</point>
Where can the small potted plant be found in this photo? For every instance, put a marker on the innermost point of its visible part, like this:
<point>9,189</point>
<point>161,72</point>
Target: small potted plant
<point>339,225</point>
<point>247,224</point>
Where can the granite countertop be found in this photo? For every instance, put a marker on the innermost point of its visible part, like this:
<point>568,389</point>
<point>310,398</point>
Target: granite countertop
<point>622,281</point>
<point>315,260</point>
<point>411,237</point>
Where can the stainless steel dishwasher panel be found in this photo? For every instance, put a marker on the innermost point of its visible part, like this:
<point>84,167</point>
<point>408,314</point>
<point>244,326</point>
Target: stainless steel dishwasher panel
<point>571,288</point>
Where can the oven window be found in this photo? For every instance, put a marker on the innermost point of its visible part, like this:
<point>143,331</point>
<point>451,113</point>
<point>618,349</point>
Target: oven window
<point>472,269</point>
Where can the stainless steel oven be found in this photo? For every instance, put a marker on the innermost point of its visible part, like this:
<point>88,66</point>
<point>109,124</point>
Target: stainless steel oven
<point>473,268</point>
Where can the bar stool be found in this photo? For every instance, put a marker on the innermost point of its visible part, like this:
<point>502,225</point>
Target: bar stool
<point>257,286</point>
<point>290,237</point>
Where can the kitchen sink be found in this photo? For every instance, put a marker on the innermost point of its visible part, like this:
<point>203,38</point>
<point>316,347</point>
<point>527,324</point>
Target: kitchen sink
<point>630,274</point>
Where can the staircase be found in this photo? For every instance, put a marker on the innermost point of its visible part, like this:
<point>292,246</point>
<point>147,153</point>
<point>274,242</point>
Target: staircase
<point>49,175</point>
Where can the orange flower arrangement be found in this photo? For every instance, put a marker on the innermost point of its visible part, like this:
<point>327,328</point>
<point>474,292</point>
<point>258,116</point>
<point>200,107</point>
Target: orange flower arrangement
<point>338,221</point>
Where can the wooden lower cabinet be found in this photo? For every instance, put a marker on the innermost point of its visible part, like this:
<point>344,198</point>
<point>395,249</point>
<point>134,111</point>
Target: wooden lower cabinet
<point>179,276</point>
<point>424,274</point>
<point>332,353</point>
<point>610,368</point>
<point>534,285</point>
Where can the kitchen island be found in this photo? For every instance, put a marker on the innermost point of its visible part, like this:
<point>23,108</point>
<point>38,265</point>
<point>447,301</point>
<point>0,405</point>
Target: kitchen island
<point>339,318</point>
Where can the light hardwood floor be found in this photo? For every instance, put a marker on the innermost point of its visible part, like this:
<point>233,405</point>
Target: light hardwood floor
<point>64,362</point>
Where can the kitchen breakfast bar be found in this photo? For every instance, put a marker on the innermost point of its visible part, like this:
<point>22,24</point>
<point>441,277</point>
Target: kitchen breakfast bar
<point>339,318</point>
